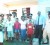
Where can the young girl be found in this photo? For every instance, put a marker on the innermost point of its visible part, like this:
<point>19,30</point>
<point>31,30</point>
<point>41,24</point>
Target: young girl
<point>17,28</point>
<point>30,31</point>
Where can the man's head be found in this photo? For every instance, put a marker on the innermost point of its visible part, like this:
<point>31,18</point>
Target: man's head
<point>2,16</point>
<point>14,14</point>
<point>23,18</point>
<point>39,13</point>
<point>30,16</point>
<point>9,18</point>
<point>17,19</point>
<point>49,14</point>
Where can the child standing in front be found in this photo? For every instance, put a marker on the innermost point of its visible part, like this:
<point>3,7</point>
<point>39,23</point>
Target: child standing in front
<point>17,28</point>
<point>23,28</point>
<point>9,26</point>
<point>30,31</point>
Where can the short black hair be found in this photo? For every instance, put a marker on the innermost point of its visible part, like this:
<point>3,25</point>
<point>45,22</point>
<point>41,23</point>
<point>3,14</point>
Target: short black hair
<point>2,15</point>
<point>10,14</point>
<point>48,12</point>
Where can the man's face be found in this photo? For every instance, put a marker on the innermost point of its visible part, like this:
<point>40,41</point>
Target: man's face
<point>9,18</point>
<point>30,17</point>
<point>39,13</point>
<point>17,20</point>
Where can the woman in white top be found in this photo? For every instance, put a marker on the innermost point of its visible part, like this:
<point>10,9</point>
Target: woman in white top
<point>47,30</point>
<point>9,26</point>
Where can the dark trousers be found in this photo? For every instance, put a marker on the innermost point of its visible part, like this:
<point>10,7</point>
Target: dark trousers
<point>38,32</point>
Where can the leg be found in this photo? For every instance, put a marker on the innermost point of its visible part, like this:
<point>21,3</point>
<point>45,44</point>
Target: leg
<point>44,36</point>
<point>40,34</point>
<point>5,36</point>
<point>36,32</point>
<point>11,35</point>
<point>49,37</point>
<point>15,35</point>
<point>1,43</point>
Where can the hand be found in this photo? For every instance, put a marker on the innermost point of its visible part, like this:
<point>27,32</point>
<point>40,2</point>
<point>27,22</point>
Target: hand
<point>33,28</point>
<point>43,29</point>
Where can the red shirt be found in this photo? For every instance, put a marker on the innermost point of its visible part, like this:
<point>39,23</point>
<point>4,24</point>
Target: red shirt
<point>30,28</point>
<point>17,25</point>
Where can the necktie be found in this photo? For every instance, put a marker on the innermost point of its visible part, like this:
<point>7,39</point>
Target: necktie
<point>38,19</point>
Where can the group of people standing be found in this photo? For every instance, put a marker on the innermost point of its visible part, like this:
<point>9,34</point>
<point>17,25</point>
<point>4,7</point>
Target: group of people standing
<point>13,28</point>
<point>24,28</point>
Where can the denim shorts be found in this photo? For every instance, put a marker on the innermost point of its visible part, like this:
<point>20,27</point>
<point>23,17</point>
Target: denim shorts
<point>10,34</point>
<point>16,30</point>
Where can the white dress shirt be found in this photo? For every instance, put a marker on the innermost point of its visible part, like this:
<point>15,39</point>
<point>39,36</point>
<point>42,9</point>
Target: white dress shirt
<point>41,20</point>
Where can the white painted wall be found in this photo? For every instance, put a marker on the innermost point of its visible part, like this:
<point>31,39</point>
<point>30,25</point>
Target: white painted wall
<point>33,10</point>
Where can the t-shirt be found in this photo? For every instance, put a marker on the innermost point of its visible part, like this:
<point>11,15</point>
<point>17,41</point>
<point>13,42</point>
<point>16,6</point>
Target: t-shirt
<point>23,24</point>
<point>1,26</point>
<point>30,28</point>
<point>9,25</point>
<point>13,19</point>
<point>4,22</point>
<point>16,25</point>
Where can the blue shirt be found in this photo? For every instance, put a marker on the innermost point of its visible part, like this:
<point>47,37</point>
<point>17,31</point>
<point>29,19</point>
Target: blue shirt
<point>41,20</point>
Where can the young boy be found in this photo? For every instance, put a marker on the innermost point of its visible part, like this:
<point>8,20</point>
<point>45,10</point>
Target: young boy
<point>30,31</point>
<point>17,28</point>
<point>9,26</point>
<point>23,28</point>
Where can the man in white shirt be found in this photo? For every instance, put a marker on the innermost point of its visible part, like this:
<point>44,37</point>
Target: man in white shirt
<point>9,26</point>
<point>39,26</point>
<point>23,28</point>
<point>47,30</point>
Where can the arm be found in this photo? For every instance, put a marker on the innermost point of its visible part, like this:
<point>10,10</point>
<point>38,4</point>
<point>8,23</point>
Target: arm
<point>44,23</point>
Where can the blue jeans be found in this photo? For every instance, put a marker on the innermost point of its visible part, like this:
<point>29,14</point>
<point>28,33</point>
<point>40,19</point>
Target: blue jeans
<point>23,34</point>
